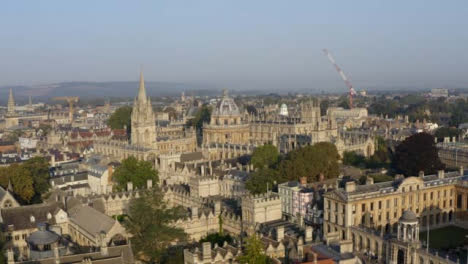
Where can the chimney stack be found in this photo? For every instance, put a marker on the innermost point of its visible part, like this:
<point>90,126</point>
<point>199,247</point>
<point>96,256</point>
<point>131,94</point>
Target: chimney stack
<point>421,174</point>
<point>279,233</point>
<point>149,183</point>
<point>441,174</point>
<point>369,181</point>
<point>206,253</point>
<point>308,234</point>
<point>350,186</point>
<point>129,186</point>
<point>462,171</point>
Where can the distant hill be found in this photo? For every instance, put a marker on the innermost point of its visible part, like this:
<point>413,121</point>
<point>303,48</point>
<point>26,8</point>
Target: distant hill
<point>103,89</point>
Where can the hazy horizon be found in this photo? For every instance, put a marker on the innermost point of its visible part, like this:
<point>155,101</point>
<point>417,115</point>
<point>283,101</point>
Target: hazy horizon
<point>239,45</point>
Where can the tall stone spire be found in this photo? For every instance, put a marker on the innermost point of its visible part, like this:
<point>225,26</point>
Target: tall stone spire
<point>143,132</point>
<point>11,103</point>
<point>142,90</point>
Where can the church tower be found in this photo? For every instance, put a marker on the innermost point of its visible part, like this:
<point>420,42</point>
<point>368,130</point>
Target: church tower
<point>11,104</point>
<point>143,130</point>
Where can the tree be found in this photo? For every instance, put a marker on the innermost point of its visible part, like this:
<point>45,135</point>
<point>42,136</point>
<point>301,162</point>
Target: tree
<point>353,159</point>
<point>203,115</point>
<point>253,252</point>
<point>151,223</point>
<point>121,118</point>
<point>443,132</point>
<point>38,168</point>
<point>265,156</point>
<point>217,238</point>
<point>21,181</point>
<point>312,162</point>
<point>417,153</point>
<point>135,171</point>
<point>251,109</point>
<point>262,179</point>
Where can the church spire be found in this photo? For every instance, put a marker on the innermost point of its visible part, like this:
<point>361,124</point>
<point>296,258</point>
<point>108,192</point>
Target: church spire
<point>142,90</point>
<point>11,103</point>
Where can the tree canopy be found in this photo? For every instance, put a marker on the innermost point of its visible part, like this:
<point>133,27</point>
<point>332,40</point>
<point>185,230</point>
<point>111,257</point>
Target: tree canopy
<point>417,153</point>
<point>443,132</point>
<point>150,221</point>
<point>253,252</point>
<point>121,118</point>
<point>29,179</point>
<point>203,115</point>
<point>265,156</point>
<point>135,171</point>
<point>311,162</point>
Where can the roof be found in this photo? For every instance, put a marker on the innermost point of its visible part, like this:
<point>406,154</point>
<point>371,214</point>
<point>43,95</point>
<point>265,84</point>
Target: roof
<point>20,217</point>
<point>91,219</point>
<point>43,236</point>
<point>408,216</point>
<point>226,107</point>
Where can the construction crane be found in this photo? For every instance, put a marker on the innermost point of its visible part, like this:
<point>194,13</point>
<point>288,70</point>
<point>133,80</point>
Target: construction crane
<point>352,92</point>
<point>71,100</point>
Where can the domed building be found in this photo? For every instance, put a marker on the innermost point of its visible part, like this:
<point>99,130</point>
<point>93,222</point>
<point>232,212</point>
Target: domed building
<point>226,124</point>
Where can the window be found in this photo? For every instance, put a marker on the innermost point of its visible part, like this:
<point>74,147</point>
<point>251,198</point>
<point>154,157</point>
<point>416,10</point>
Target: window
<point>354,209</point>
<point>17,237</point>
<point>363,209</point>
<point>424,197</point>
<point>388,204</point>
<point>395,201</point>
<point>380,205</point>
<point>372,206</point>
<point>432,196</point>
<point>388,216</point>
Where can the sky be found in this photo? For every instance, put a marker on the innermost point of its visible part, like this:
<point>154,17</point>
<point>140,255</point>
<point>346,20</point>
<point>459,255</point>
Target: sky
<point>263,45</point>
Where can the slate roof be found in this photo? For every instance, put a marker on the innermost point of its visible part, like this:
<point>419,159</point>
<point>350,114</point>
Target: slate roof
<point>19,218</point>
<point>90,219</point>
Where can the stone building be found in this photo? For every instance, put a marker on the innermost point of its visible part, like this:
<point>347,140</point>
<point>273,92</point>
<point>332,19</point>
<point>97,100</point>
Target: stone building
<point>147,141</point>
<point>370,215</point>
<point>261,208</point>
<point>226,124</point>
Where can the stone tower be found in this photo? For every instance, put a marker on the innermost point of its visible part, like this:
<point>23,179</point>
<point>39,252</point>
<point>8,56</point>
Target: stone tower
<point>11,104</point>
<point>143,130</point>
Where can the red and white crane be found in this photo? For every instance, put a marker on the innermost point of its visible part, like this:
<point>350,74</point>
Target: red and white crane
<point>352,92</point>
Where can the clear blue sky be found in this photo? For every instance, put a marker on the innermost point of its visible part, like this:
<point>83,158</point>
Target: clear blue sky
<point>236,44</point>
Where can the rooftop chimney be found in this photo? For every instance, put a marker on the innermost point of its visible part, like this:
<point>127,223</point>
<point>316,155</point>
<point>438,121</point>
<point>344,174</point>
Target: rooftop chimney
<point>441,174</point>
<point>308,234</point>
<point>369,181</point>
<point>206,253</point>
<point>350,186</point>
<point>303,181</point>
<point>149,183</point>
<point>129,186</point>
<point>279,233</point>
<point>421,174</point>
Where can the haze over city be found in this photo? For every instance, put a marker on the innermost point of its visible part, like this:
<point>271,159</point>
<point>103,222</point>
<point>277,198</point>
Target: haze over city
<point>240,45</point>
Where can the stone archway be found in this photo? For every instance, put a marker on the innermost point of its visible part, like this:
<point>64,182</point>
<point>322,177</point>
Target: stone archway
<point>400,256</point>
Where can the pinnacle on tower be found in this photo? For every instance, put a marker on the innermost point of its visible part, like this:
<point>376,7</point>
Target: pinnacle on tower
<point>142,90</point>
<point>11,103</point>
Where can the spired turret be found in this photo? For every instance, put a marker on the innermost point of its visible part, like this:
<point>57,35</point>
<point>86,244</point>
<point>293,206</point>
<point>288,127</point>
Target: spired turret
<point>143,130</point>
<point>11,104</point>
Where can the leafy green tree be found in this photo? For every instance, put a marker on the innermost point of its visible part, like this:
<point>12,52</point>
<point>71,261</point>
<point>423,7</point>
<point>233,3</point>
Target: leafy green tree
<point>21,182</point>
<point>217,238</point>
<point>261,180</point>
<point>38,168</point>
<point>253,252</point>
<point>135,171</point>
<point>121,118</point>
<point>417,153</point>
<point>443,132</point>
<point>353,159</point>
<point>151,223</point>
<point>265,156</point>
<point>311,162</point>
<point>203,115</point>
